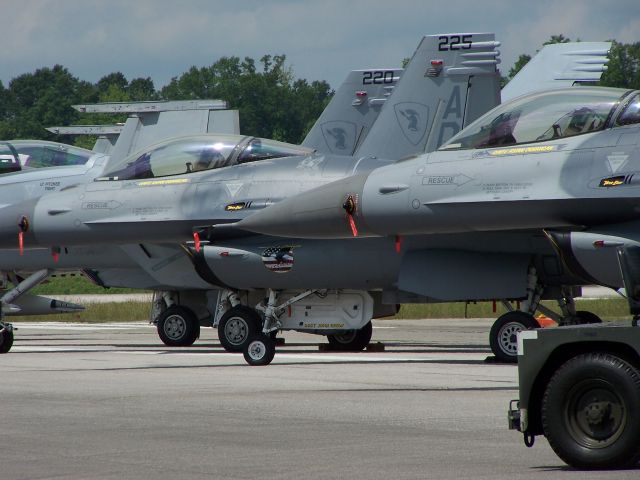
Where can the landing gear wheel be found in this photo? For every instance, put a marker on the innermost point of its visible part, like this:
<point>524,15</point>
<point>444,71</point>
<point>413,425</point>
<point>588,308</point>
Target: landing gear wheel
<point>352,341</point>
<point>6,340</point>
<point>178,327</point>
<point>260,350</point>
<point>237,326</point>
<point>589,412</point>
<point>503,335</point>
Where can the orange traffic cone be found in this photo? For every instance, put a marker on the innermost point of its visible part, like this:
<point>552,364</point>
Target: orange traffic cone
<point>545,321</point>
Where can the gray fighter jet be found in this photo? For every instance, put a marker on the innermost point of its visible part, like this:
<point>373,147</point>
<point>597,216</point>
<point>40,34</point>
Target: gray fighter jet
<point>276,258</point>
<point>563,161</point>
<point>33,168</point>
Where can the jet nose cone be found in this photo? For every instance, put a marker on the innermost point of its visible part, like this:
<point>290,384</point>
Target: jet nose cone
<point>329,211</point>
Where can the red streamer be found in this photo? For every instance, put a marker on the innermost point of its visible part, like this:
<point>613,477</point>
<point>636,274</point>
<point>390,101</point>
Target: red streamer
<point>352,224</point>
<point>196,240</point>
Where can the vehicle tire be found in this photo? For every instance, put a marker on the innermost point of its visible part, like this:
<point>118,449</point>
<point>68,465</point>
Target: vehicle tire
<point>352,340</point>
<point>259,350</point>
<point>237,326</point>
<point>590,412</point>
<point>178,327</point>
<point>6,341</point>
<point>503,335</point>
<point>585,317</point>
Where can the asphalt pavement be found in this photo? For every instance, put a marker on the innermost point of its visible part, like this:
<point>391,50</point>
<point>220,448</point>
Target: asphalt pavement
<point>110,401</point>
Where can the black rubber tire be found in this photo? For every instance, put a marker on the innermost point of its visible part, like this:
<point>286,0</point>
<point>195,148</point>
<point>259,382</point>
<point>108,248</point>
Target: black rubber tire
<point>584,317</point>
<point>259,350</point>
<point>178,327</point>
<point>6,341</point>
<point>502,337</point>
<point>353,340</point>
<point>237,326</point>
<point>594,385</point>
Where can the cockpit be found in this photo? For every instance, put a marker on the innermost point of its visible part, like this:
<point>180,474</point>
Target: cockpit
<point>547,116</point>
<point>18,155</point>
<point>197,153</point>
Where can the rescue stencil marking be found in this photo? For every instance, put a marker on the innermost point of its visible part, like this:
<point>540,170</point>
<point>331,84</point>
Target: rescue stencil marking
<point>152,183</point>
<point>523,150</point>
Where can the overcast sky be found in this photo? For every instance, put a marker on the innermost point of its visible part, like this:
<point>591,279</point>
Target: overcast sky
<point>322,40</point>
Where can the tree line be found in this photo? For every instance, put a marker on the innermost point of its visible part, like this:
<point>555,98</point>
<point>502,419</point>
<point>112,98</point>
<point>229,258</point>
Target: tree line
<point>272,102</point>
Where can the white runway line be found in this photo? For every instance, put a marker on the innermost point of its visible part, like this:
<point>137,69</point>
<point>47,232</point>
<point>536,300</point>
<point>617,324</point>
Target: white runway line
<point>283,357</point>
<point>97,327</point>
<point>80,326</point>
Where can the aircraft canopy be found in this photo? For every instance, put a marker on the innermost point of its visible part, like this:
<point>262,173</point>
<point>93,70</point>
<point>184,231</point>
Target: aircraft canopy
<point>544,116</point>
<point>196,153</point>
<point>18,155</point>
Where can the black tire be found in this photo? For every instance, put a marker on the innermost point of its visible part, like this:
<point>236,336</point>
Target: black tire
<point>352,340</point>
<point>259,350</point>
<point>237,326</point>
<point>590,412</point>
<point>6,341</point>
<point>178,327</point>
<point>585,317</point>
<point>503,334</point>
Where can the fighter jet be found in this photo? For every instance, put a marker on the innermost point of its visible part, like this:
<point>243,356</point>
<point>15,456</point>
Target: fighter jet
<point>562,162</point>
<point>33,168</point>
<point>278,258</point>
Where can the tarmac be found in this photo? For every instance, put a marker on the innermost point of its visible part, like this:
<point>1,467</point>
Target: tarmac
<point>107,401</point>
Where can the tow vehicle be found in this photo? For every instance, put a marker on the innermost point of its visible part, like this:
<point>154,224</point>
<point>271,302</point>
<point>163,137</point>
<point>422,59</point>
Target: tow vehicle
<point>580,388</point>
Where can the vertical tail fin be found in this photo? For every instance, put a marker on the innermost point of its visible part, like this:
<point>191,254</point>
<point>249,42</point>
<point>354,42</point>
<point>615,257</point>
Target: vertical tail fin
<point>150,122</point>
<point>560,65</point>
<point>450,81</point>
<point>354,108</point>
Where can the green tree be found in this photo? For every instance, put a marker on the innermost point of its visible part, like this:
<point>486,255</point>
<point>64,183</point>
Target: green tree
<point>623,69</point>
<point>271,102</point>
<point>40,99</point>
<point>557,39</point>
<point>142,89</point>
<point>111,81</point>
<point>520,63</point>
<point>5,127</point>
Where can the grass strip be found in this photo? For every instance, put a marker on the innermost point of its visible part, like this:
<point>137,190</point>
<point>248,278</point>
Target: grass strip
<point>76,285</point>
<point>608,309</point>
<point>96,313</point>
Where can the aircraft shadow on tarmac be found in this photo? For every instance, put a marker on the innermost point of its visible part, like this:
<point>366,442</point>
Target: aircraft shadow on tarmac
<point>568,469</point>
<point>323,357</point>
